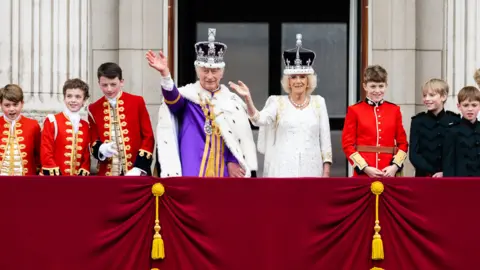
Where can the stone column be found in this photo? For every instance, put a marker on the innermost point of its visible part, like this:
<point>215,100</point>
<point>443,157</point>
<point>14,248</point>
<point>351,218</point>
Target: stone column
<point>45,43</point>
<point>142,29</point>
<point>394,47</point>
<point>462,45</point>
<point>430,46</point>
<point>104,39</point>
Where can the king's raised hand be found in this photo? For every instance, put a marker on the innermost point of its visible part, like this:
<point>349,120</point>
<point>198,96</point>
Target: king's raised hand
<point>158,61</point>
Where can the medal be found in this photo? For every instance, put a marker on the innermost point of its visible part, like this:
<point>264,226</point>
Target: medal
<point>207,128</point>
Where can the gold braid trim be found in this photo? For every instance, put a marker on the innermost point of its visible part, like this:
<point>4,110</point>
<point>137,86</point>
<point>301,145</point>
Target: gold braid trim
<point>83,172</point>
<point>52,171</point>
<point>174,101</point>
<point>145,153</point>
<point>399,158</point>
<point>358,160</point>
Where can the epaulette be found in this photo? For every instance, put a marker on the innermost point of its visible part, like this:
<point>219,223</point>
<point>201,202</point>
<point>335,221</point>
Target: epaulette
<point>419,114</point>
<point>452,113</point>
<point>359,102</point>
<point>386,101</point>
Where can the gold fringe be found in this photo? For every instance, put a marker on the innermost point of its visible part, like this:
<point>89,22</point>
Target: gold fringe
<point>158,249</point>
<point>374,268</point>
<point>377,243</point>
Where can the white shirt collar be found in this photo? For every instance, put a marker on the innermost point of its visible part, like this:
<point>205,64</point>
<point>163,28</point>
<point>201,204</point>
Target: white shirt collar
<point>113,101</point>
<point>74,117</point>
<point>12,121</point>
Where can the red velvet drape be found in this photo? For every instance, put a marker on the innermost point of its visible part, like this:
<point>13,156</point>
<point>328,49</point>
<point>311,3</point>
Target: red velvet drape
<point>53,223</point>
<point>75,223</point>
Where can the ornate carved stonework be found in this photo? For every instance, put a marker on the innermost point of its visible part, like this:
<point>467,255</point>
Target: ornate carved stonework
<point>46,43</point>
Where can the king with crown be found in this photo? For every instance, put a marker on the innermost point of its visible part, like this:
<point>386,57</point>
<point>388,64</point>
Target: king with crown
<point>203,128</point>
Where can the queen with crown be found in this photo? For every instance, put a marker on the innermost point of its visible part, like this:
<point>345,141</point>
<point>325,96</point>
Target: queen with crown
<point>294,129</point>
<point>203,128</point>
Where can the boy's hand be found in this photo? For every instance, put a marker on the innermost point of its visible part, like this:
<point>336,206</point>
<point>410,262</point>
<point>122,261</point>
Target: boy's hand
<point>108,150</point>
<point>135,172</point>
<point>390,171</point>
<point>438,174</point>
<point>373,172</point>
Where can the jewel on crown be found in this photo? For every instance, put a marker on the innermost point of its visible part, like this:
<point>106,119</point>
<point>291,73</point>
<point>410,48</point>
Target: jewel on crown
<point>220,54</point>
<point>298,61</point>
<point>211,44</point>
<point>210,52</point>
<point>200,52</point>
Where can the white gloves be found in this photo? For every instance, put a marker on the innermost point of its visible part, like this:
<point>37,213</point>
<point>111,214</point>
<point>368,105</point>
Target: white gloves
<point>107,150</point>
<point>135,172</point>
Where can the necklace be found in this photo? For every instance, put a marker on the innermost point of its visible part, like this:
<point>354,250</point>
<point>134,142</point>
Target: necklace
<point>299,105</point>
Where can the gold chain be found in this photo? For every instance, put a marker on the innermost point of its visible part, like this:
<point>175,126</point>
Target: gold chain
<point>209,114</point>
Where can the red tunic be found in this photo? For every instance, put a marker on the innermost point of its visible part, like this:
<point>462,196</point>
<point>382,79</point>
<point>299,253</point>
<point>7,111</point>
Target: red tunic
<point>373,135</point>
<point>67,153</point>
<point>135,128</point>
<point>23,145</point>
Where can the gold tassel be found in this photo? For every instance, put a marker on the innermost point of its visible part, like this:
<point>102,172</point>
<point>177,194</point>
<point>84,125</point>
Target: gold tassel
<point>374,268</point>
<point>158,249</point>
<point>377,243</point>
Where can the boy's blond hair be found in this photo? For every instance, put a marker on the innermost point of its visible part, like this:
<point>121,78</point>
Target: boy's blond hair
<point>476,76</point>
<point>375,73</point>
<point>468,93</point>
<point>437,86</point>
<point>11,92</point>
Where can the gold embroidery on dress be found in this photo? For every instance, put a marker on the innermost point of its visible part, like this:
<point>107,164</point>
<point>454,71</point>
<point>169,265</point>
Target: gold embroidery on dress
<point>116,134</point>
<point>12,161</point>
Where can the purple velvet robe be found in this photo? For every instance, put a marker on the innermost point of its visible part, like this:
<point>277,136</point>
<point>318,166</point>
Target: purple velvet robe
<point>200,154</point>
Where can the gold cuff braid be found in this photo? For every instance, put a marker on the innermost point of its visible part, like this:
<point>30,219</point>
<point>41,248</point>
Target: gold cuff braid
<point>358,160</point>
<point>399,158</point>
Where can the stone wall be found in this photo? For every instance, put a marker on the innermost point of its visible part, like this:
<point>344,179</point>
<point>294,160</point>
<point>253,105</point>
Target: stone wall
<point>42,43</point>
<point>423,39</point>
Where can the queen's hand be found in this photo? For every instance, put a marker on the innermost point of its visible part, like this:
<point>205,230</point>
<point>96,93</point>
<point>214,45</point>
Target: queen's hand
<point>240,88</point>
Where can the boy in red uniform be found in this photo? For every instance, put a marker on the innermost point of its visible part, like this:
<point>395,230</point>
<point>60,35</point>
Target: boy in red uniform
<point>373,137</point>
<point>65,136</point>
<point>120,130</point>
<point>20,136</point>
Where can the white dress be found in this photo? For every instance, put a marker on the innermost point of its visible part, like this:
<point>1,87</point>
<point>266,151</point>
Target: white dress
<point>295,142</point>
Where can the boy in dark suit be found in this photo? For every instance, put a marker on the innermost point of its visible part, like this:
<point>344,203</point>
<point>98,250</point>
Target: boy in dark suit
<point>461,156</point>
<point>427,130</point>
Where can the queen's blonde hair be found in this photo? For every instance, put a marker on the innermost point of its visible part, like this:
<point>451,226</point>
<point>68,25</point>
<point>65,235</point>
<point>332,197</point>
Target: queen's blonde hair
<point>311,79</point>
